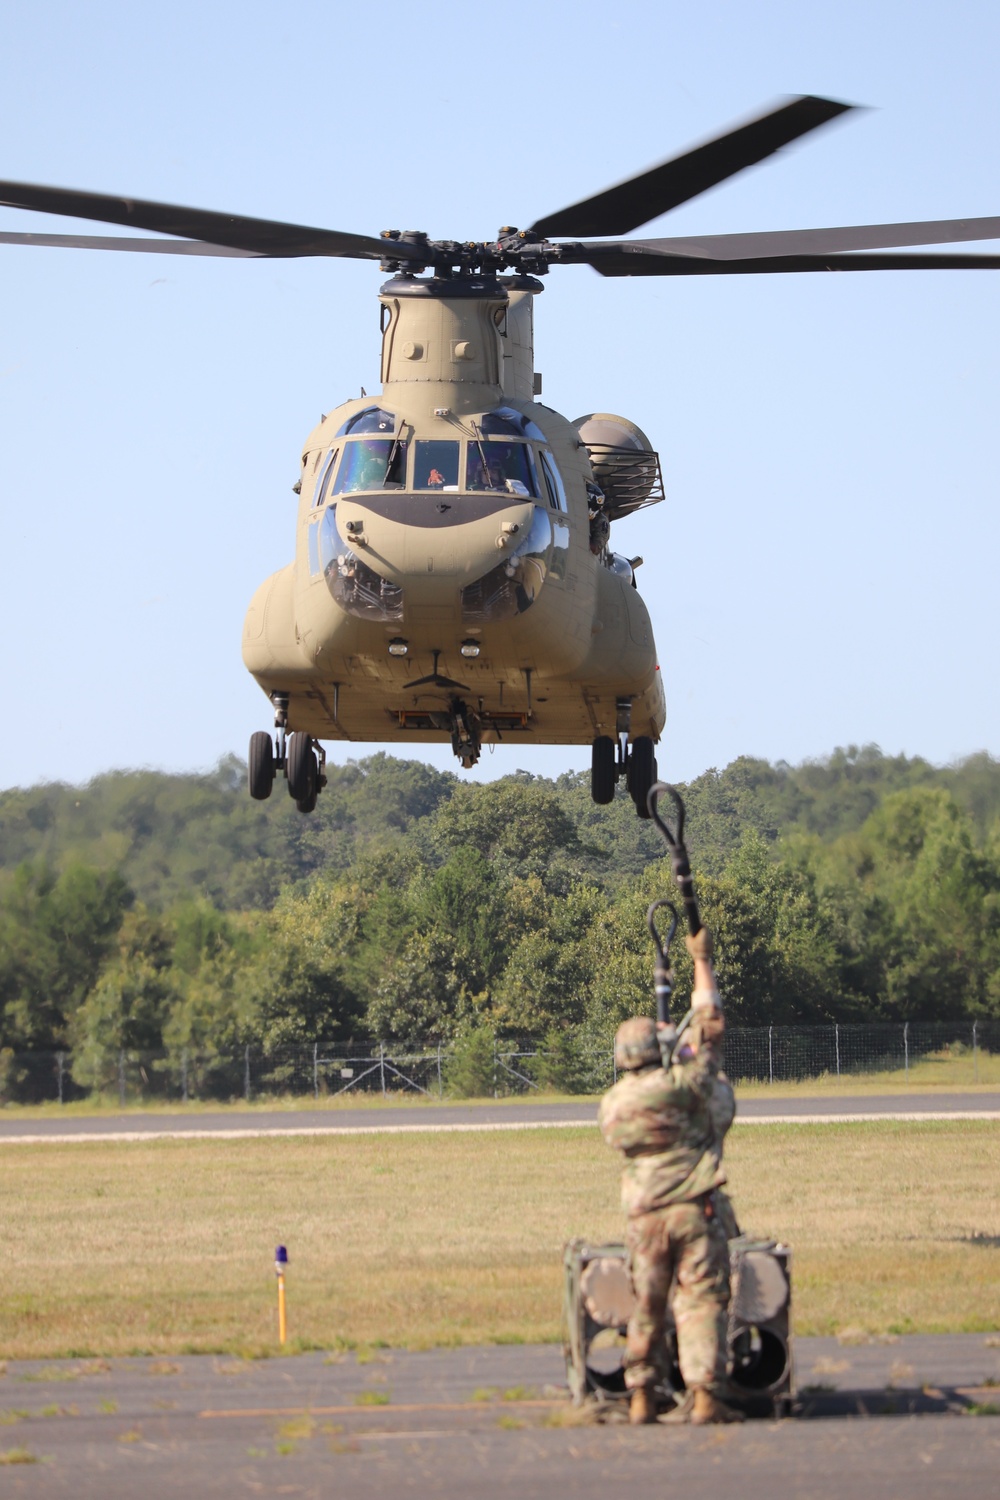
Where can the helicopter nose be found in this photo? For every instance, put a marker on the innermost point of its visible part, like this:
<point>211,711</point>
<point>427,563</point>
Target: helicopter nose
<point>411,541</point>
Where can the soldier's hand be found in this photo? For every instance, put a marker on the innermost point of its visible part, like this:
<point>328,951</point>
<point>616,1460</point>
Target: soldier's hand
<point>700,946</point>
<point>712,1027</point>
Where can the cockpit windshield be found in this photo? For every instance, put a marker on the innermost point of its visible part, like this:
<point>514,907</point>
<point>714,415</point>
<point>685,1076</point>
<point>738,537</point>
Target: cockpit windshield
<point>371,464</point>
<point>435,466</point>
<point>493,465</point>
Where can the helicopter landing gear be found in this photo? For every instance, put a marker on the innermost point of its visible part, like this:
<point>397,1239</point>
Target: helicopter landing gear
<point>611,760</point>
<point>302,759</point>
<point>465,733</point>
<point>641,773</point>
<point>260,766</point>
<point>603,771</point>
<point>304,770</point>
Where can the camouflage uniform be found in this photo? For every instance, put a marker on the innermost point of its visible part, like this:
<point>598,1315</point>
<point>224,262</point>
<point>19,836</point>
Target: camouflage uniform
<point>661,1121</point>
<point>722,1108</point>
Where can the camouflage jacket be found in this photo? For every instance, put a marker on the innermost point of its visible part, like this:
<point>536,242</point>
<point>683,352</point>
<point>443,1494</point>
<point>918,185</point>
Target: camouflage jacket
<point>662,1123</point>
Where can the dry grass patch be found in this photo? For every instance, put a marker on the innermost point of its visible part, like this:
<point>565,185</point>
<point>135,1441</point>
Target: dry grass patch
<point>895,1227</point>
<point>424,1240</point>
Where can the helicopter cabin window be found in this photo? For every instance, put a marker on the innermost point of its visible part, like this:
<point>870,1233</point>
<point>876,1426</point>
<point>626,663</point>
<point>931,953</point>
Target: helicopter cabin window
<point>355,586</point>
<point>493,465</point>
<point>373,419</point>
<point>513,585</point>
<point>435,466</point>
<point>506,421</point>
<point>553,482</point>
<point>323,482</point>
<point>371,464</point>
<point>314,567</point>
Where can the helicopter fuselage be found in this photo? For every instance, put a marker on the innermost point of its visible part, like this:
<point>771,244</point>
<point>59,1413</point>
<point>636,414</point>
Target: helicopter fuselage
<point>445,550</point>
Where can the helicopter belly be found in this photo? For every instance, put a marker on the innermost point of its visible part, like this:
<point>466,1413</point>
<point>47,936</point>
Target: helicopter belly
<point>550,674</point>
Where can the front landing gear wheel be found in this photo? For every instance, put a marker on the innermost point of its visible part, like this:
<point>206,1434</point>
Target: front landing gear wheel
<point>307,803</point>
<point>301,770</point>
<point>260,766</point>
<point>641,773</point>
<point>603,772</point>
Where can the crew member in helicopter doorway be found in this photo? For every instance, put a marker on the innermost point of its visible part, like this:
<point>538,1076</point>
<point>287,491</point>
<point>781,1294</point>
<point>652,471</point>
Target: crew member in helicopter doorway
<point>661,1121</point>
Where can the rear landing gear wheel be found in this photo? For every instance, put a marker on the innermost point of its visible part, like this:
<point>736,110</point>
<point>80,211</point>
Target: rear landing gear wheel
<point>641,773</point>
<point>301,770</point>
<point>260,766</point>
<point>603,773</point>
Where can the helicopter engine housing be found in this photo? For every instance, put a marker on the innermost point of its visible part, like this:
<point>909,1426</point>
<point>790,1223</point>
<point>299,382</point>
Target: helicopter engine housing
<point>624,462</point>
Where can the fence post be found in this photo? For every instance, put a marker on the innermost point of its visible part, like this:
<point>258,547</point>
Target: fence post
<point>906,1049</point>
<point>381,1064</point>
<point>495,1065</point>
<point>440,1079</point>
<point>975,1061</point>
<point>246,1074</point>
<point>315,1070</point>
<point>184,1075</point>
<point>770,1054</point>
<point>121,1078</point>
<point>59,1069</point>
<point>836,1042</point>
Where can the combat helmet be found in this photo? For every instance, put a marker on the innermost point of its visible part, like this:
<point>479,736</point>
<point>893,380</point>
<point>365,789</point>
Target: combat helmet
<point>635,1044</point>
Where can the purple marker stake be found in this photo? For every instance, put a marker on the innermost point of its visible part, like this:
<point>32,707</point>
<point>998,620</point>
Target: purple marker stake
<point>280,1263</point>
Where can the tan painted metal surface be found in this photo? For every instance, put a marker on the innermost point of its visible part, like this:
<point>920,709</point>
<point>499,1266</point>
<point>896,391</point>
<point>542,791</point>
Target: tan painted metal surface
<point>434,559</point>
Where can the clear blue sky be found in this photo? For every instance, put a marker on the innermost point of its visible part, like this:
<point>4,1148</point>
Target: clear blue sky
<point>824,568</point>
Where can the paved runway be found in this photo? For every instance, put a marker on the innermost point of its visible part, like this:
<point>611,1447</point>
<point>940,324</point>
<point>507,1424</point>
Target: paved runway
<point>911,1417</point>
<point>519,1115</point>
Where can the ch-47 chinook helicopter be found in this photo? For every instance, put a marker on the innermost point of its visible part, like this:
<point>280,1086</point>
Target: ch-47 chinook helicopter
<point>453,576</point>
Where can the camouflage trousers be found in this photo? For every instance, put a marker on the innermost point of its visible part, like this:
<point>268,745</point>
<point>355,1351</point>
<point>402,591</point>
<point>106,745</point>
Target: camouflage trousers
<point>680,1254</point>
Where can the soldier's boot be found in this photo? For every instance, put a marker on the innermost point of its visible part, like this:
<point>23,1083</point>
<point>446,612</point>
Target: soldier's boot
<point>642,1407</point>
<point>707,1408</point>
<point>681,1413</point>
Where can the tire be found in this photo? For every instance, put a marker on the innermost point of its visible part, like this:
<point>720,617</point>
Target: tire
<point>306,804</point>
<point>641,772</point>
<point>300,768</point>
<point>602,770</point>
<point>260,766</point>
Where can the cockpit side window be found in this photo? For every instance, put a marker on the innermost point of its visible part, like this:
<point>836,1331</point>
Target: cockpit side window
<point>507,467</point>
<point>371,464</point>
<point>323,482</point>
<point>435,465</point>
<point>371,419</point>
<point>553,482</point>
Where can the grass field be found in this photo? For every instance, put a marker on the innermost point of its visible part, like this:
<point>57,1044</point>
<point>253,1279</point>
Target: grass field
<point>418,1240</point>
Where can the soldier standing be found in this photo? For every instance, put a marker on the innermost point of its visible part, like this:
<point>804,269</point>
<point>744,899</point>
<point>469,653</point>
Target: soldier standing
<point>661,1121</point>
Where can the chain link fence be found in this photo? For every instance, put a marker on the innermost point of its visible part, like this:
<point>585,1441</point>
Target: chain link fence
<point>949,1053</point>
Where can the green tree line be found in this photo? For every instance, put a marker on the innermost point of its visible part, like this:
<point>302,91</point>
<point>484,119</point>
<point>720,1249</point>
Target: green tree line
<point>153,912</point>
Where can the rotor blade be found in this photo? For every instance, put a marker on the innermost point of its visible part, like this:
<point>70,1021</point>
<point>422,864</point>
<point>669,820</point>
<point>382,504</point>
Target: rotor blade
<point>121,242</point>
<point>624,263</point>
<point>816,241</point>
<point>628,204</point>
<point>268,237</point>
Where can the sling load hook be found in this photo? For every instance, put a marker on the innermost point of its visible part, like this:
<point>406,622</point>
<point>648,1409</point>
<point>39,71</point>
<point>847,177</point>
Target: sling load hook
<point>676,849</point>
